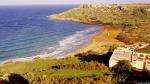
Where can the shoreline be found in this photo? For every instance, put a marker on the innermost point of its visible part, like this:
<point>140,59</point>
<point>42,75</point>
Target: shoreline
<point>80,50</point>
<point>100,42</point>
<point>32,58</point>
<point>92,45</point>
<point>23,59</point>
<point>56,17</point>
<point>96,43</point>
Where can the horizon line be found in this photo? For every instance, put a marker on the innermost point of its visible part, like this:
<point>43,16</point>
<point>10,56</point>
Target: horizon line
<point>65,4</point>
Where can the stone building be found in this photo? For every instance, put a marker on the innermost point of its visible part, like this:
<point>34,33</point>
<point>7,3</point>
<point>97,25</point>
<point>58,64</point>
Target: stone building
<point>140,61</point>
<point>120,54</point>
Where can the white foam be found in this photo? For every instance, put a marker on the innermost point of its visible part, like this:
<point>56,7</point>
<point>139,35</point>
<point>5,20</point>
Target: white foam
<point>55,52</point>
<point>24,58</point>
<point>51,48</point>
<point>65,46</point>
<point>70,43</point>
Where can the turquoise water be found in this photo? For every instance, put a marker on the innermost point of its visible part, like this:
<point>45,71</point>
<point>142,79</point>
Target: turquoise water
<point>27,31</point>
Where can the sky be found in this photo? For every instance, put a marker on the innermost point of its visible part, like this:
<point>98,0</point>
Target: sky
<point>35,2</point>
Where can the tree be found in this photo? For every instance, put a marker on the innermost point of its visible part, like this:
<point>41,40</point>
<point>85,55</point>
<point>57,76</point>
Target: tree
<point>122,72</point>
<point>122,66</point>
<point>13,79</point>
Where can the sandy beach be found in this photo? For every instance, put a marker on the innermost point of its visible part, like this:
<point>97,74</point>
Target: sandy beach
<point>107,35</point>
<point>101,41</point>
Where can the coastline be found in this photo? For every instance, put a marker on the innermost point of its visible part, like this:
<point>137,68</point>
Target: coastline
<point>100,42</point>
<point>32,58</point>
<point>97,42</point>
<point>82,49</point>
<point>56,17</point>
<point>24,59</point>
<point>93,44</point>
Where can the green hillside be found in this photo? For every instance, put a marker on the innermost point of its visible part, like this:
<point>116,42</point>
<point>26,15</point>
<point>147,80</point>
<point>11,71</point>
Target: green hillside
<point>135,19</point>
<point>89,67</point>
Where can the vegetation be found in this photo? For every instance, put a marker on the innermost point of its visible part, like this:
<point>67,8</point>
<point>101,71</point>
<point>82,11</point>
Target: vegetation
<point>124,73</point>
<point>60,71</point>
<point>122,66</point>
<point>13,79</point>
<point>134,19</point>
<point>144,50</point>
<point>75,70</point>
<point>122,70</point>
<point>82,66</point>
<point>88,67</point>
<point>33,66</point>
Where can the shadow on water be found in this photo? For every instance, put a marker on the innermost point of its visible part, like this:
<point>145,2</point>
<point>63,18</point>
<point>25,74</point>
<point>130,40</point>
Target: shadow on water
<point>91,56</point>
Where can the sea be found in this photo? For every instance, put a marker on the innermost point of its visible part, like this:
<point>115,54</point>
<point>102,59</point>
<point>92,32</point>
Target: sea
<point>26,31</point>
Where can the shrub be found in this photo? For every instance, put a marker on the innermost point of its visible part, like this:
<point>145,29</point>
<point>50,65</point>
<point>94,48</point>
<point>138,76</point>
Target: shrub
<point>122,66</point>
<point>13,79</point>
<point>82,66</point>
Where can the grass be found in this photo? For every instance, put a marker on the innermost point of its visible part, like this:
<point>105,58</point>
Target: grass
<point>69,73</point>
<point>134,19</point>
<point>40,68</point>
<point>101,42</point>
<point>106,15</point>
<point>39,71</point>
<point>144,50</point>
<point>35,66</point>
<point>75,73</point>
<point>134,23</point>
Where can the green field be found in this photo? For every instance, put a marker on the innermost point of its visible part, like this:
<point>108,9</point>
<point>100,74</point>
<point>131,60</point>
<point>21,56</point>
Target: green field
<point>34,66</point>
<point>41,68</point>
<point>81,69</point>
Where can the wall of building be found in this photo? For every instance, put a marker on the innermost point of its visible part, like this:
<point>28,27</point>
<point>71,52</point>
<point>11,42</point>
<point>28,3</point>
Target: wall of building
<point>138,60</point>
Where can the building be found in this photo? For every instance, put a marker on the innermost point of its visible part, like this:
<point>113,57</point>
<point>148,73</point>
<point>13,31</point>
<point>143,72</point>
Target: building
<point>120,54</point>
<point>139,61</point>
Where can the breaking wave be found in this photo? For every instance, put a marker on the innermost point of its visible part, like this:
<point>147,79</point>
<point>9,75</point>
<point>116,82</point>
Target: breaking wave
<point>73,42</point>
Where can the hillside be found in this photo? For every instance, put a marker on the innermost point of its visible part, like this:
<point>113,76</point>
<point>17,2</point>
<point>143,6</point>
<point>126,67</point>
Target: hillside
<point>84,68</point>
<point>135,19</point>
<point>58,71</point>
<point>124,24</point>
